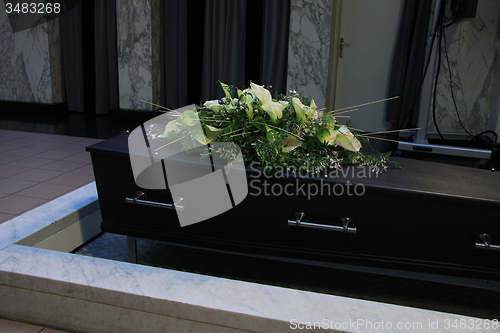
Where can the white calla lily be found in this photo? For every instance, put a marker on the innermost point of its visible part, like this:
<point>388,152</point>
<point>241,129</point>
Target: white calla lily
<point>301,110</point>
<point>274,109</point>
<point>347,140</point>
<point>344,138</point>
<point>214,105</point>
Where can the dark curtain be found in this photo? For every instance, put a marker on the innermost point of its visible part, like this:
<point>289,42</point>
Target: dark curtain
<point>174,54</point>
<point>220,40</point>
<point>275,44</point>
<point>224,46</point>
<point>408,63</point>
<point>106,57</point>
<point>72,56</point>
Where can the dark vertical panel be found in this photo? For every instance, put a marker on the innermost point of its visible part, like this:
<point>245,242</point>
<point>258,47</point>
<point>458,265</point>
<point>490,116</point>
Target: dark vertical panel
<point>224,48</point>
<point>106,57</point>
<point>174,57</point>
<point>276,25</point>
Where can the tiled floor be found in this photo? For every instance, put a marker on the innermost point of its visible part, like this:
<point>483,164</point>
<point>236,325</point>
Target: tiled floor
<point>37,167</point>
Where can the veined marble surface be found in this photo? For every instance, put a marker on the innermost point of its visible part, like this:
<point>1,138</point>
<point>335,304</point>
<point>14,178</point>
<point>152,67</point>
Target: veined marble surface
<point>473,49</point>
<point>43,218</point>
<point>24,63</point>
<point>135,58</point>
<point>309,47</point>
<point>95,295</point>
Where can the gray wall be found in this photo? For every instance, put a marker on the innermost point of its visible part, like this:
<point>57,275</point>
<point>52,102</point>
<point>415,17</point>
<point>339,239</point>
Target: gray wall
<point>473,49</point>
<point>30,67</point>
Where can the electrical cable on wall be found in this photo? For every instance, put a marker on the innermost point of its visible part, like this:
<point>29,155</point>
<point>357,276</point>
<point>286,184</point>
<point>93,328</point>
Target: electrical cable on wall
<point>476,138</point>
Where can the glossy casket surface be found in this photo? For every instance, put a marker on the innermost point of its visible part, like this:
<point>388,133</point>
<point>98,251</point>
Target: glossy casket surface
<point>425,217</point>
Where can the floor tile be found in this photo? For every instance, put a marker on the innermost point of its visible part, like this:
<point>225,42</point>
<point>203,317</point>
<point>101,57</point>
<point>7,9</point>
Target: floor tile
<point>11,170</point>
<point>45,191</point>
<point>4,139</point>
<point>38,175</point>
<point>30,162</point>
<point>55,154</point>
<point>8,326</point>
<point>14,204</point>
<point>23,142</point>
<point>4,218</point>
<point>76,147</point>
<point>26,151</point>
<point>48,144</point>
<point>7,148</point>
<point>67,139</point>
<point>45,136</point>
<point>72,179</point>
<point>90,141</point>
<point>86,170</point>
<point>83,157</point>
<point>11,186</point>
<point>64,166</point>
<point>7,158</point>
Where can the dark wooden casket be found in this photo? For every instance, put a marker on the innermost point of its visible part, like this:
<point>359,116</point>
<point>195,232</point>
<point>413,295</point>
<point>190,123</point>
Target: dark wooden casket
<point>424,218</point>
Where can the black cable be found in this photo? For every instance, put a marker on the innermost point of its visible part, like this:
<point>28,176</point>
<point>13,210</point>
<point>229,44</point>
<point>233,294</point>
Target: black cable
<point>426,68</point>
<point>451,85</point>
<point>440,29</point>
<point>440,23</point>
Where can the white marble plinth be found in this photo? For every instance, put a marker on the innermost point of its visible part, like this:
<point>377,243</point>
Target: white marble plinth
<point>87,294</point>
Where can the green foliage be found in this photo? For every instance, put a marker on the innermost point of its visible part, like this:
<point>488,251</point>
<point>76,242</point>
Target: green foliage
<point>296,142</point>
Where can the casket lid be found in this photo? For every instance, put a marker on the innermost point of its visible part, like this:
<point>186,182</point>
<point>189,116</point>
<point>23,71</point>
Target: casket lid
<point>416,177</point>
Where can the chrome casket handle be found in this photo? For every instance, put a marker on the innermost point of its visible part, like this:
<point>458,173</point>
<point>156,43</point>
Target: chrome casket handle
<point>484,242</point>
<point>139,197</point>
<point>301,221</point>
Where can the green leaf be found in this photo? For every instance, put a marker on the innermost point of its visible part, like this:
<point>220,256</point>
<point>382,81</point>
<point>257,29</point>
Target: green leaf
<point>171,126</point>
<point>212,132</point>
<point>199,136</point>
<point>260,123</point>
<point>329,121</point>
<point>323,134</point>
<point>227,91</point>
<point>190,118</point>
<point>289,143</point>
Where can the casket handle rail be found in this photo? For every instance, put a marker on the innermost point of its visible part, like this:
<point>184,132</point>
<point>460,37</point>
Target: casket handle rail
<point>301,221</point>
<point>139,199</point>
<point>483,242</point>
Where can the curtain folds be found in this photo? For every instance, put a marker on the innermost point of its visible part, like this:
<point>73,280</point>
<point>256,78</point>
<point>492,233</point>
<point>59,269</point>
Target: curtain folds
<point>106,56</point>
<point>408,64</point>
<point>220,40</point>
<point>224,46</point>
<point>72,56</point>
<point>274,64</point>
<point>174,54</point>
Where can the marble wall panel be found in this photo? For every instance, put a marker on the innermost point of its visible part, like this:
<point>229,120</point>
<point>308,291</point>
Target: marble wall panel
<point>25,67</point>
<point>472,54</point>
<point>309,47</point>
<point>135,54</point>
